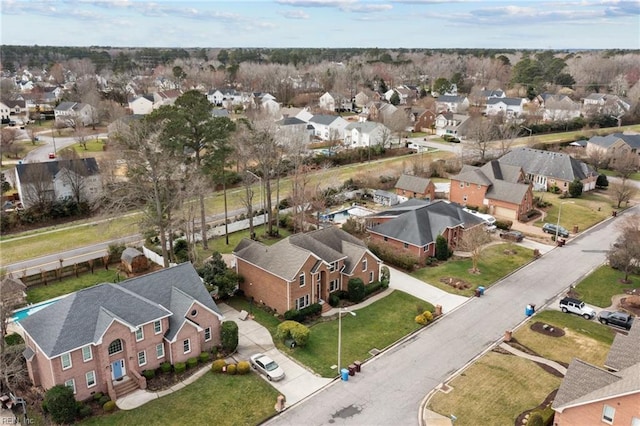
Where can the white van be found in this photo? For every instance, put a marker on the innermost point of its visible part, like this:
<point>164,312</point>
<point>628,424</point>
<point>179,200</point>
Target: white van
<point>489,220</point>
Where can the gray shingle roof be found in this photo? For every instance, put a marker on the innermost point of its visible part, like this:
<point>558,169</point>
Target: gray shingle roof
<point>506,101</point>
<point>412,183</point>
<point>290,121</point>
<point>82,317</point>
<point>28,172</point>
<point>129,254</point>
<point>422,222</point>
<point>581,379</point>
<point>606,141</point>
<point>281,259</point>
<point>323,119</point>
<point>547,163</point>
<point>450,99</point>
<point>363,126</point>
<point>625,350</point>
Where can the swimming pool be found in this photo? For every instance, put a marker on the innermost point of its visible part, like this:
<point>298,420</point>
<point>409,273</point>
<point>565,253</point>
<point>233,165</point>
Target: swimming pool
<point>30,310</point>
<point>341,216</point>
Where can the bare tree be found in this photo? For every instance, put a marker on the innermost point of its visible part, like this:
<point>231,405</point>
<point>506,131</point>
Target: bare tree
<point>13,372</point>
<point>37,187</point>
<point>473,241</point>
<point>480,133</point>
<point>625,253</point>
<point>81,136</point>
<point>507,133</point>
<point>622,191</point>
<point>624,164</point>
<point>8,138</point>
<point>598,159</point>
<point>73,173</point>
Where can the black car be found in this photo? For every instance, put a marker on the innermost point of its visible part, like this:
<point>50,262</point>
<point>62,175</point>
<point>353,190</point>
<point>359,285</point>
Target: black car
<point>516,236</point>
<point>620,319</point>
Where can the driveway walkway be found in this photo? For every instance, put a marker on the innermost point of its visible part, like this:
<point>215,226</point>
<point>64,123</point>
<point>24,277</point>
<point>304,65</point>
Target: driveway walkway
<point>298,383</point>
<point>405,282</point>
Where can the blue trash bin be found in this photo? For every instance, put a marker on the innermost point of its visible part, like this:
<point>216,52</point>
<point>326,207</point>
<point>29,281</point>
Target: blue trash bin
<point>481,290</point>
<point>528,311</point>
<point>345,374</point>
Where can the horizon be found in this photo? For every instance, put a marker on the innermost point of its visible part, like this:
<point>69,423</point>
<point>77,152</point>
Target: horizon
<point>567,25</point>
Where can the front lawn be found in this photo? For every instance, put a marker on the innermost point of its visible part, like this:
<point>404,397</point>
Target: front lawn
<point>375,326</point>
<point>219,244</point>
<point>602,284</point>
<point>212,399</point>
<point>584,212</point>
<point>496,262</point>
<point>93,145</point>
<point>69,285</point>
<point>267,320</point>
<point>503,386</point>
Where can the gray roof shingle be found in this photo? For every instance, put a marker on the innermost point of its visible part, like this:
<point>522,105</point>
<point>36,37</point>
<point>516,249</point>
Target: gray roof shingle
<point>29,172</point>
<point>547,163</point>
<point>413,183</point>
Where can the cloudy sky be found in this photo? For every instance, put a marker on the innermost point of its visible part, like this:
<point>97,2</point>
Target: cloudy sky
<point>546,24</point>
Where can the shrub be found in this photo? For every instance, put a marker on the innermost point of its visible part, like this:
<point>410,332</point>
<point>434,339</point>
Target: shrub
<point>149,374</point>
<point>443,252</point>
<point>232,369</point>
<point>575,188</point>
<point>356,290</point>
<point>293,330</point>
<point>302,314</point>
<point>292,315</point>
<point>61,404</point>
<point>204,357</point>
<point>165,367</point>
<point>179,367</point>
<point>394,257</point>
<point>373,287</point>
<point>243,367</point>
<point>385,274</point>
<point>109,406</point>
<point>229,336</point>
<point>504,224</point>
<point>424,318</point>
<point>97,396</point>
<point>192,362</point>
<point>13,339</point>
<point>602,182</point>
<point>116,250</point>
<point>104,399</point>
<point>218,365</point>
<point>535,419</point>
<point>84,410</point>
<point>334,300</point>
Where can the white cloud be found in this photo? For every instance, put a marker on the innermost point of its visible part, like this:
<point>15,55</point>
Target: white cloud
<point>295,14</point>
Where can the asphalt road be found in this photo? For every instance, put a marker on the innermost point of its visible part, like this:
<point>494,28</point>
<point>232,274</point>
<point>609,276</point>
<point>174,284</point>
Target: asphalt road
<point>391,386</point>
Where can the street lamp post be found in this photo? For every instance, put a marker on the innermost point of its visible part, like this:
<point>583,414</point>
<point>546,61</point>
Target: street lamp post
<point>340,336</point>
<point>559,213</point>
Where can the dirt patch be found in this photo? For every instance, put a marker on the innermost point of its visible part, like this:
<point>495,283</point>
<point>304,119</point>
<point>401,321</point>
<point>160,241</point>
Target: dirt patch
<point>546,329</point>
<point>547,401</point>
<point>456,283</point>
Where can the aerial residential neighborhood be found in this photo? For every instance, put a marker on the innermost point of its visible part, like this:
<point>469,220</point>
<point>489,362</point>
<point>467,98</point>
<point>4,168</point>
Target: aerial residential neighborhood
<point>445,233</point>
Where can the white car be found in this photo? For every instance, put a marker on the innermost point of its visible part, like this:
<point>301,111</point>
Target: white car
<point>267,366</point>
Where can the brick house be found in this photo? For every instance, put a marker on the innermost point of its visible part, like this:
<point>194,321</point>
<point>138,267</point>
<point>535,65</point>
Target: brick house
<point>499,188</point>
<point>590,395</point>
<point>545,169</point>
<point>415,187</point>
<point>615,146</point>
<point>102,338</point>
<point>413,226</point>
<point>303,268</point>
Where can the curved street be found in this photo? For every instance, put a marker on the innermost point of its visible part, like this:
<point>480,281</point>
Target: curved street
<point>392,385</point>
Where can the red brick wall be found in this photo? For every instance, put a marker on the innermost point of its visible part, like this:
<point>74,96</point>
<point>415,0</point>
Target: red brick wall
<point>372,266</point>
<point>475,196</point>
<point>398,246</point>
<point>188,331</point>
<point>591,414</point>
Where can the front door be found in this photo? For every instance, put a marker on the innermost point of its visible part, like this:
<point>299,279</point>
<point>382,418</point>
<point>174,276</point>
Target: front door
<point>117,369</point>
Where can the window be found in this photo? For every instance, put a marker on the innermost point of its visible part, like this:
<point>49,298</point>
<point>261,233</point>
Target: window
<point>425,248</point>
<point>66,361</point>
<point>364,265</point>
<point>86,354</point>
<point>142,358</point>
<point>302,302</point>
<point>371,276</point>
<point>333,285</point>
<point>608,413</point>
<point>332,266</point>
<point>464,198</point>
<point>386,238</point>
<point>207,334</point>
<point>302,279</point>
<point>139,334</point>
<point>91,379</point>
<point>71,384</point>
<point>115,347</point>
<point>406,245</point>
<point>635,421</point>
<point>160,350</point>
<point>186,346</point>
<point>461,184</point>
<point>468,184</point>
<point>157,327</point>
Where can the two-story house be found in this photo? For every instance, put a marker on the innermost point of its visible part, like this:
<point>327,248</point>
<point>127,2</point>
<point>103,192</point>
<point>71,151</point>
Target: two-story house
<point>141,105</point>
<point>546,169</point>
<point>615,146</point>
<point>451,124</point>
<point>102,338</point>
<point>412,227</point>
<point>415,187</point>
<point>72,114</point>
<point>455,104</point>
<point>328,127</point>
<point>509,107</point>
<point>366,134</point>
<point>500,188</point>
<point>304,268</point>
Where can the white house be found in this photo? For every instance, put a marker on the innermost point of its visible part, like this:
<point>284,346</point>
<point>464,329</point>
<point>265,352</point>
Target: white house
<point>455,104</point>
<point>74,113</point>
<point>451,124</point>
<point>510,107</point>
<point>560,108</point>
<point>365,134</point>
<point>77,179</point>
<point>327,102</point>
<point>142,105</point>
<point>292,127</point>
<point>5,111</point>
<point>328,127</point>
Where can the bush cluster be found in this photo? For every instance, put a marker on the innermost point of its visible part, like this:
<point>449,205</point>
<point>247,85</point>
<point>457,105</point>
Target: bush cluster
<point>13,339</point>
<point>293,330</point>
<point>355,289</point>
<point>149,374</point>
<point>192,362</point>
<point>165,367</point>
<point>179,367</point>
<point>243,367</point>
<point>504,224</point>
<point>304,313</point>
<point>109,406</point>
<point>393,257</point>
<point>218,365</point>
<point>229,336</point>
<point>204,357</point>
<point>334,300</point>
<point>60,403</point>
<point>424,318</point>
<point>375,286</point>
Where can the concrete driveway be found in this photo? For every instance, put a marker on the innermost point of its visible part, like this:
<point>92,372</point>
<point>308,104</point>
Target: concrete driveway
<point>405,282</point>
<point>298,383</point>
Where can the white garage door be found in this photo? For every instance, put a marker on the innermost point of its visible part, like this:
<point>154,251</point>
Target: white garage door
<point>503,212</point>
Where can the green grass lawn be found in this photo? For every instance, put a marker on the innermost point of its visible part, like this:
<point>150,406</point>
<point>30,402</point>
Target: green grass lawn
<point>493,265</point>
<point>267,320</point>
<point>604,283</point>
<point>219,244</point>
<point>583,212</point>
<point>93,145</point>
<point>375,326</point>
<point>69,285</point>
<point>503,386</point>
<point>212,399</point>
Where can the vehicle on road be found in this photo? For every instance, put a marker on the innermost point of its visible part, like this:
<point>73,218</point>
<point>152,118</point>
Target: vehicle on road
<point>267,366</point>
<point>516,236</point>
<point>552,228</point>
<point>578,307</point>
<point>52,155</point>
<point>620,319</point>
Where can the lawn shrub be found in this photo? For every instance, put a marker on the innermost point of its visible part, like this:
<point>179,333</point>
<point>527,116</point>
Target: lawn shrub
<point>109,406</point>
<point>373,287</point>
<point>179,367</point>
<point>393,257</point>
<point>204,357</point>
<point>229,336</point>
<point>84,410</point>
<point>424,318</point>
<point>61,404</point>
<point>218,365</point>
<point>303,314</point>
<point>293,330</point>
<point>334,300</point>
<point>165,367</point>
<point>232,369</point>
<point>97,396</point>
<point>356,290</point>
<point>192,362</point>
<point>504,224</point>
<point>13,339</point>
<point>104,399</point>
<point>149,374</point>
<point>602,182</point>
<point>535,419</point>
<point>443,252</point>
<point>243,367</point>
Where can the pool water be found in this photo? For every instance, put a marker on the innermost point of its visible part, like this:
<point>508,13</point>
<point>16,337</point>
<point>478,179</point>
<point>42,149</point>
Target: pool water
<point>30,310</point>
